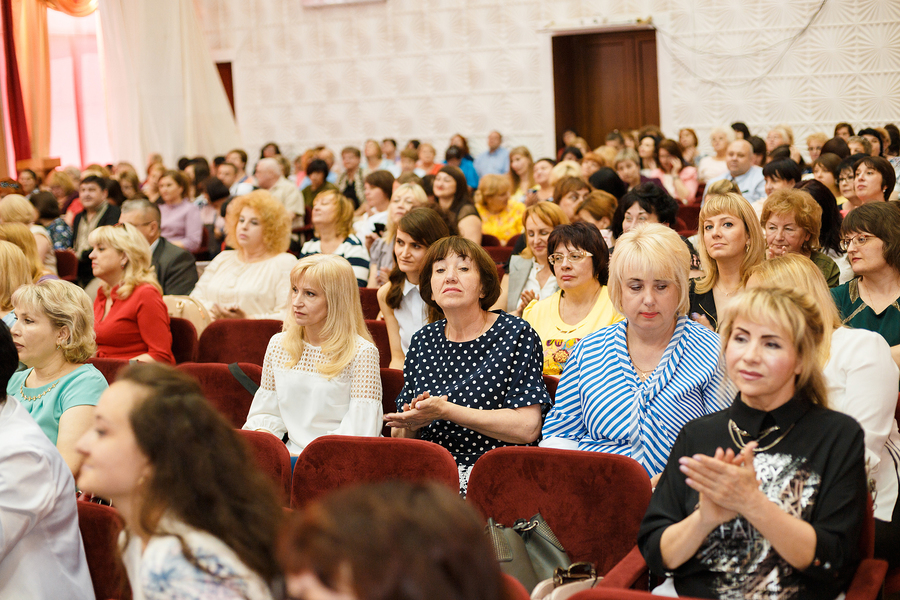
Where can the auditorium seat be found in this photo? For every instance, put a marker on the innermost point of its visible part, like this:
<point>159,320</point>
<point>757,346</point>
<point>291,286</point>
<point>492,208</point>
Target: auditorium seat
<point>66,265</point>
<point>237,340</point>
<point>391,386</point>
<point>551,384</point>
<point>184,340</point>
<point>100,527</point>
<point>273,458</point>
<point>489,241</point>
<point>499,254</point>
<point>593,502</point>
<point>379,333</point>
<point>334,461</point>
<point>110,367</point>
<point>222,390</point>
<point>511,242</point>
<point>369,299</point>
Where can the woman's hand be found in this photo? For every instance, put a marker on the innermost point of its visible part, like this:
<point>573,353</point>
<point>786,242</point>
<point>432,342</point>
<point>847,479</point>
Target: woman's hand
<point>370,239</point>
<point>676,167</point>
<point>424,409</point>
<point>383,276</point>
<point>698,318</point>
<point>775,251</point>
<point>227,312</point>
<point>524,300</point>
<point>726,482</point>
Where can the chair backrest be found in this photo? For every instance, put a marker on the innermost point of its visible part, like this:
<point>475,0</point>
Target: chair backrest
<point>369,299</point>
<point>378,329</point>
<point>593,502</point>
<point>237,340</point>
<point>110,367</point>
<point>222,390</point>
<point>391,386</point>
<point>499,254</point>
<point>488,240</point>
<point>511,242</point>
<point>100,527</point>
<point>66,265</point>
<point>184,340</point>
<point>333,461</point>
<point>551,384</point>
<point>272,457</point>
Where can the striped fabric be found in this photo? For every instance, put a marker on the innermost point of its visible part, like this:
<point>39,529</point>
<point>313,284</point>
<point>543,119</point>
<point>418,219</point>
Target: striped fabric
<point>603,406</point>
<point>352,249</point>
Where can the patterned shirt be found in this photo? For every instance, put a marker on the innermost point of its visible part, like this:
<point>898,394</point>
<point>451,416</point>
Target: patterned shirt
<point>352,249</point>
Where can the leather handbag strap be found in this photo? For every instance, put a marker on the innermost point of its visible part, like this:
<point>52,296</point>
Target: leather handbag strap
<point>242,378</point>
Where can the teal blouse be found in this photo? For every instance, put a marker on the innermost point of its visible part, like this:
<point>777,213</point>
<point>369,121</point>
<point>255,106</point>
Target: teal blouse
<point>857,314</point>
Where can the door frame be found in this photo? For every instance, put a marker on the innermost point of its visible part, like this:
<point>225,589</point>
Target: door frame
<point>664,66</point>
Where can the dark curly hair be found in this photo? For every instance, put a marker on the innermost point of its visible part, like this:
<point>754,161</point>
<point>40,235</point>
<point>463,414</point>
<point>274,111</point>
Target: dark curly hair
<point>583,236</point>
<point>652,198</point>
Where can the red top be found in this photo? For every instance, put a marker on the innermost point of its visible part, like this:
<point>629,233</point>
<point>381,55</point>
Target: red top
<point>136,325</point>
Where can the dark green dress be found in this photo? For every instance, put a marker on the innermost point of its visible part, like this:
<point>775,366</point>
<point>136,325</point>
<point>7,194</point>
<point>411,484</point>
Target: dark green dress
<point>856,313</point>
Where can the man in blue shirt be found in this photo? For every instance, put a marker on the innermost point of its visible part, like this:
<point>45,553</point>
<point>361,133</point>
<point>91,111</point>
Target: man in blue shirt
<point>741,170</point>
<point>495,159</point>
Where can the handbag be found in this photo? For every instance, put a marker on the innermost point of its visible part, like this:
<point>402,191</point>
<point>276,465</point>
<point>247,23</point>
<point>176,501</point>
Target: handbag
<point>567,582</point>
<point>528,551</point>
<point>185,307</point>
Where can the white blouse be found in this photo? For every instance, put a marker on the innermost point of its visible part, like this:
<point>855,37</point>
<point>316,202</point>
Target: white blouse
<point>262,289</point>
<point>162,572</point>
<point>862,382</point>
<point>533,285</point>
<point>411,315</point>
<point>304,404</point>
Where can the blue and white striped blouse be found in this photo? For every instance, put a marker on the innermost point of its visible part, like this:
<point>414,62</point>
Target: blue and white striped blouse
<point>352,249</point>
<point>603,406</point>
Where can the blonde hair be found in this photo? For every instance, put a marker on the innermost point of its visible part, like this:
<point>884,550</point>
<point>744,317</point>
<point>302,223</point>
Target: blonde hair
<point>344,321</point>
<point>817,137</point>
<point>421,200</point>
<point>343,212</point>
<point>491,185</point>
<point>792,271</point>
<point>514,178</point>
<point>66,305</point>
<point>62,179</point>
<point>275,220</point>
<point>652,251</point>
<point>566,168</point>
<point>16,272</point>
<point>723,186</point>
<point>22,237</point>
<point>793,312</point>
<point>131,243</point>
<point>546,212</point>
<point>14,208</point>
<point>805,210</point>
<point>731,203</point>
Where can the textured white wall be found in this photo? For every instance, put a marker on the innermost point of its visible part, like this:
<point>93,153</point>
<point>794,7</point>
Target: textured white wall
<point>431,68</point>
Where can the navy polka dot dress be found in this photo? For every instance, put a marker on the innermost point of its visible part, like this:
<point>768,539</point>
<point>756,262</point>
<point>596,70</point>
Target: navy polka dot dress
<point>499,369</point>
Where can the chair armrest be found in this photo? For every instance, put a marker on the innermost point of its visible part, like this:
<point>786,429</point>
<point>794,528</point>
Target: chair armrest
<point>627,572</point>
<point>868,580</point>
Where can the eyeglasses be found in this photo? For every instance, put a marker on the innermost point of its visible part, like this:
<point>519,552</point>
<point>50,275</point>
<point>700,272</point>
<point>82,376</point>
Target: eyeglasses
<point>574,257</point>
<point>860,241</point>
<point>843,179</point>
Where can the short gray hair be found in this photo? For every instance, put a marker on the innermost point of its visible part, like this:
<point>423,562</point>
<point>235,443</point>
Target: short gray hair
<point>143,205</point>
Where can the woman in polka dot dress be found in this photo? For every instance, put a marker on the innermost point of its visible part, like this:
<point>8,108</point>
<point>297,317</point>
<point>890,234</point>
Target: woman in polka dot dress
<point>472,382</point>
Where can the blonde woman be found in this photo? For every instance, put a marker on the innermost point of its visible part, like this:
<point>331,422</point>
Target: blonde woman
<point>501,217</point>
<point>381,253</point>
<point>714,165</point>
<point>521,173</point>
<point>251,281</point>
<point>320,375</point>
<point>21,236</point>
<point>17,209</point>
<point>130,317</point>
<point>54,336</point>
<point>332,217</point>
<point>731,242</point>
<point>16,272</point>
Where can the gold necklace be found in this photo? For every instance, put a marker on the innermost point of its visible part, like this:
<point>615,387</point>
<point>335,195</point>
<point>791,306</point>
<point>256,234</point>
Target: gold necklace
<point>39,396</point>
<point>738,435</point>
<point>641,373</point>
<point>727,294</point>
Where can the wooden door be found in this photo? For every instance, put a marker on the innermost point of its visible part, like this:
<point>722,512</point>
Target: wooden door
<point>605,81</point>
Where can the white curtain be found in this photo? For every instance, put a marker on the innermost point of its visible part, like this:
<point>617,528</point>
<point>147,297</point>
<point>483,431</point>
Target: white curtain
<point>163,92</point>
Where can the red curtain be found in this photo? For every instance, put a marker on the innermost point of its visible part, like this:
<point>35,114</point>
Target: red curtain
<point>21,141</point>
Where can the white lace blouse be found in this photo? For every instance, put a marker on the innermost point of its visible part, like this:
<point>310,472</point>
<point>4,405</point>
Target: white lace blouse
<point>301,402</point>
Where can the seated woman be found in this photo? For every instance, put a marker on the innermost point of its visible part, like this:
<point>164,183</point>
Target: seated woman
<point>452,196</point>
<point>792,220</point>
<point>320,375</point>
<point>472,381</point>
<point>683,175</point>
<point>628,168</point>
<point>155,447</point>
<point>381,251</point>
<point>529,275</point>
<point>630,387</point>
<point>54,335</point>
<point>16,272</point>
<point>250,282</point>
<point>862,382</point>
<point>579,260</point>
<point>401,303</point>
<point>830,231</point>
<point>598,208</point>
<point>21,236</point>
<point>730,243</point>
<point>16,209</point>
<point>501,217</point>
<point>49,218</point>
<point>332,217</point>
<point>182,224</point>
<point>871,237</point>
<point>714,165</point>
<point>767,498</point>
<point>130,317</point>
<point>521,174</point>
<point>875,179</point>
<point>568,193</point>
<point>393,540</point>
<point>542,189</point>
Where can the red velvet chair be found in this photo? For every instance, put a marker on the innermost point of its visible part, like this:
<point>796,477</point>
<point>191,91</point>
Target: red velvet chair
<point>514,589</point>
<point>334,461</point>
<point>378,329</point>
<point>489,241</point>
<point>499,254</point>
<point>867,583</point>
<point>66,265</point>
<point>222,390</point>
<point>391,386</point>
<point>110,367</point>
<point>369,299</point>
<point>100,527</point>
<point>511,242</point>
<point>690,216</point>
<point>593,502</point>
<point>551,383</point>
<point>272,457</point>
<point>184,340</point>
<point>237,340</point>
